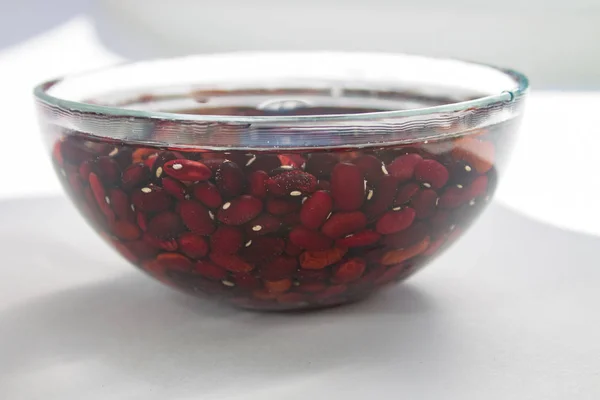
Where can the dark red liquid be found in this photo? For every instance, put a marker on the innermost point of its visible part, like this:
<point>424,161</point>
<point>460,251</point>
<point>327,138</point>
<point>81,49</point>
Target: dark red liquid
<point>281,230</point>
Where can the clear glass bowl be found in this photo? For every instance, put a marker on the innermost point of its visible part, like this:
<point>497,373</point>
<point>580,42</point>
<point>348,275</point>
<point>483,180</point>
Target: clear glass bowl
<point>280,181</point>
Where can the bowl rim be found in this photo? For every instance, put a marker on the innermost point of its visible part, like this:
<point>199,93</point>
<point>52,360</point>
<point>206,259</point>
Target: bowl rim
<point>41,94</point>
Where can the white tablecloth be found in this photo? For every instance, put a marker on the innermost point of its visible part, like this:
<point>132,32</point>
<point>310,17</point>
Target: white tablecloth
<point>510,312</point>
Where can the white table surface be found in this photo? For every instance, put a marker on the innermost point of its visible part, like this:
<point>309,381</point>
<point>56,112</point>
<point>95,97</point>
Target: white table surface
<point>510,312</point>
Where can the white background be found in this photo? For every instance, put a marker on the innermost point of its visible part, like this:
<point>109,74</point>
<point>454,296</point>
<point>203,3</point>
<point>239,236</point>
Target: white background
<point>509,312</point>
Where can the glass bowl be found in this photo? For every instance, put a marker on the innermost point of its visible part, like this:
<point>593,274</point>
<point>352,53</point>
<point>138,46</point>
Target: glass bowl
<point>279,181</point>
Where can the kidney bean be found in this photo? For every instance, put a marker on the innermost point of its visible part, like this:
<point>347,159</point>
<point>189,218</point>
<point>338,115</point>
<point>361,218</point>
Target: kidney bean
<point>291,183</point>
<point>359,239</point>
<point>207,194</point>
<point>75,152</point>
<point>85,169</point>
<point>108,170</point>
<point>347,187</point>
<point>453,197</point>
<point>135,175</point>
<point>196,217</point>
<point>313,275</point>
<point>192,245</point>
<point>174,261</point>
<point>240,210</point>
<point>278,206</point>
<point>291,298</point>
<point>431,173</point>
<point>323,185</point>
<point>187,170</point>
<point>262,225</point>
<point>280,286</point>
<point>151,199</point>
<point>381,198</point>
<point>119,202</point>
<point>142,221</point>
<point>403,167</point>
<point>174,187</point>
<point>398,256</point>
<point>309,239</point>
<point>169,244</point>
<point>140,249</point>
<point>317,259</point>
<point>166,225</point>
<point>125,230</point>
<point>230,262</point>
<point>321,164</point>
<point>281,267</point>
<point>262,249</point>
<point>102,199</point>
<point>311,287</point>
<point>209,270</point>
<point>291,249</point>
<point>395,221</point>
<point>230,179</point>
<point>316,209</point>
<point>370,166</point>
<point>424,203</point>
<point>408,237</point>
<point>258,184</point>
<point>245,281</point>
<point>344,223</point>
<point>406,193</point>
<point>264,162</point>
<point>293,160</point>
<point>227,240</point>
<point>349,270</point>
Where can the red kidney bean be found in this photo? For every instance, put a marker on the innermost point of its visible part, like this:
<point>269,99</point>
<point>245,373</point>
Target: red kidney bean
<point>108,170</point>
<point>403,167</point>
<point>187,170</point>
<point>135,175</point>
<point>453,197</point>
<point>406,193</point>
<point>370,166</point>
<point>230,262</point>
<point>408,237</point>
<point>309,239</point>
<point>174,261</point>
<point>321,164</point>
<point>174,187</point>
<point>209,270</point>
<point>317,259</point>
<point>344,223</point>
<point>75,151</point>
<point>431,173</point>
<point>262,249</point>
<point>359,239</point>
<point>166,225</point>
<point>293,160</point>
<point>141,249</point>
<point>262,225</point>
<point>151,198</point>
<point>282,267</point>
<point>347,187</point>
<point>311,287</point>
<point>125,230</point>
<point>291,183</point>
<point>102,199</point>
<point>85,169</point>
<point>323,185</point>
<point>349,270</point>
<point>230,179</point>
<point>240,210</point>
<point>245,281</point>
<point>395,221</point>
<point>316,209</point>
<point>258,184</point>
<point>313,275</point>
<point>162,244</point>
<point>196,217</point>
<point>207,194</point>
<point>401,255</point>
<point>119,202</point>
<point>280,286</point>
<point>264,162</point>
<point>277,206</point>
<point>192,245</point>
<point>227,240</point>
<point>381,198</point>
<point>424,203</point>
<point>478,187</point>
<point>142,221</point>
<point>292,250</point>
